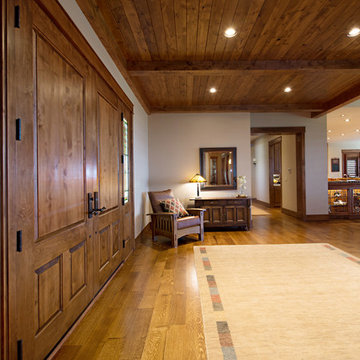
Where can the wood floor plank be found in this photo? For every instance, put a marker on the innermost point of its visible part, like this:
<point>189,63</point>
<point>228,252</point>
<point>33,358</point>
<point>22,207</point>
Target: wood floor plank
<point>151,309</point>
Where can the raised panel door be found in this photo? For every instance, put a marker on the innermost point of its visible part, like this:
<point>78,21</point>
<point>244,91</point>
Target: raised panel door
<point>53,285</point>
<point>108,220</point>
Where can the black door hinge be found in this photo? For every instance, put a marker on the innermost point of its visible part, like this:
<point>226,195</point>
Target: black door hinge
<point>122,159</point>
<point>19,241</point>
<point>123,200</point>
<point>19,350</point>
<point>18,129</point>
<point>17,16</point>
<point>122,116</point>
<point>124,241</point>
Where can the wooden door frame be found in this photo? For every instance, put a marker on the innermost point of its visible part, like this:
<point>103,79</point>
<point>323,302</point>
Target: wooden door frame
<point>299,132</point>
<point>3,209</point>
<point>270,143</point>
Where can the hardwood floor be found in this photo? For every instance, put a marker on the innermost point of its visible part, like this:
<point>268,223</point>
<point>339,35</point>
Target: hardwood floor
<point>151,309</point>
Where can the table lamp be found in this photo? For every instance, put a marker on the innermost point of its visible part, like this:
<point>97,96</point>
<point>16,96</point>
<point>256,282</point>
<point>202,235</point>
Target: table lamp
<point>197,179</point>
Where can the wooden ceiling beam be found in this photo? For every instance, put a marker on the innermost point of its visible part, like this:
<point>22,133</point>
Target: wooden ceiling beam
<point>144,68</point>
<point>343,99</point>
<point>309,108</point>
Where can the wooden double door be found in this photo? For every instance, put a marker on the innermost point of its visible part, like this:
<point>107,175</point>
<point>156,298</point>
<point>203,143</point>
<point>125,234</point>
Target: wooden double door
<point>69,183</point>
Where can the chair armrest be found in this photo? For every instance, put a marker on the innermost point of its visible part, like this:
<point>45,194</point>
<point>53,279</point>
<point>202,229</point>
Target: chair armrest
<point>164,214</point>
<point>195,211</point>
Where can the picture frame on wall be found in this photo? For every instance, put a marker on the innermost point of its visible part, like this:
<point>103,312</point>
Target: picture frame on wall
<point>335,165</point>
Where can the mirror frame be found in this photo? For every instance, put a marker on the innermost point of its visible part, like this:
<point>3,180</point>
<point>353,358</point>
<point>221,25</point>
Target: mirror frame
<point>202,168</point>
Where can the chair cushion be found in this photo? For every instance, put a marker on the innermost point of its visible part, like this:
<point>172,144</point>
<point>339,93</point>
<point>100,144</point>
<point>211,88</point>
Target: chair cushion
<point>188,221</point>
<point>174,206</point>
<point>157,196</point>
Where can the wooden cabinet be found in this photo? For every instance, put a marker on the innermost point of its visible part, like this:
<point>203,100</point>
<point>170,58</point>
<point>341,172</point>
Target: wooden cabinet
<point>344,199</point>
<point>226,212</point>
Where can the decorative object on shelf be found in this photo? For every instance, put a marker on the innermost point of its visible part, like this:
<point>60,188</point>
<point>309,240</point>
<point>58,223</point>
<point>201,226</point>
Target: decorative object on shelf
<point>335,164</point>
<point>242,186</point>
<point>198,179</point>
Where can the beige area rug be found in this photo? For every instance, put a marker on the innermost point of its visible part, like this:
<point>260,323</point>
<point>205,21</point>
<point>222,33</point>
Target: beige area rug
<point>277,302</point>
<point>257,211</point>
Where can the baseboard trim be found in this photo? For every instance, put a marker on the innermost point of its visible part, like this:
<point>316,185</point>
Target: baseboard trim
<point>262,203</point>
<point>146,229</point>
<point>317,217</point>
<point>289,212</point>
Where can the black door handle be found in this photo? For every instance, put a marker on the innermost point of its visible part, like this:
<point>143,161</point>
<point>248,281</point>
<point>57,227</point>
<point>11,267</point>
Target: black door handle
<point>96,203</point>
<point>90,205</point>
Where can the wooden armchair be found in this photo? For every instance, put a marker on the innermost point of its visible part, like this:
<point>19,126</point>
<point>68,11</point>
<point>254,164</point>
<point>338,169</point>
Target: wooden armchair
<point>169,224</point>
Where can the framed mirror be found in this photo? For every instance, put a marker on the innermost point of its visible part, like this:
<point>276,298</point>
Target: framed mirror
<point>218,167</point>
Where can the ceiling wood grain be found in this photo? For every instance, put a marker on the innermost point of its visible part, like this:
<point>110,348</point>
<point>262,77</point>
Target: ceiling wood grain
<point>172,52</point>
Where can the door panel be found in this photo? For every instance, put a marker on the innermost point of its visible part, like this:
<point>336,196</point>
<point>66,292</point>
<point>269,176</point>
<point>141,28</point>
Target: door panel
<point>241,214</point>
<point>230,214</point>
<point>107,223</point>
<point>78,267</point>
<point>216,215</point>
<point>60,98</point>
<point>48,293</point>
<point>109,154</point>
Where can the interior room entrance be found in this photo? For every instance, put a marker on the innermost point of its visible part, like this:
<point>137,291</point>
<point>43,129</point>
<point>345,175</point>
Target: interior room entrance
<point>278,169</point>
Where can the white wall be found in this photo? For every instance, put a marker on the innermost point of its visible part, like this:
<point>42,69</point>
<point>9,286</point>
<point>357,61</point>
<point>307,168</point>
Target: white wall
<point>141,168</point>
<point>288,172</point>
<point>334,151</point>
<point>315,154</point>
<point>261,169</point>
<point>260,172</point>
<point>174,143</point>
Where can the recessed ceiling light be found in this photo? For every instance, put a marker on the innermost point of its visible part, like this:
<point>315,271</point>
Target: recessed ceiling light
<point>357,130</point>
<point>342,134</point>
<point>213,90</point>
<point>287,89</point>
<point>329,130</point>
<point>342,115</point>
<point>230,32</point>
<point>328,138</point>
<point>354,32</point>
<point>347,120</point>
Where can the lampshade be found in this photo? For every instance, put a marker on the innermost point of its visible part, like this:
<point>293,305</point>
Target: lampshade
<point>197,179</point>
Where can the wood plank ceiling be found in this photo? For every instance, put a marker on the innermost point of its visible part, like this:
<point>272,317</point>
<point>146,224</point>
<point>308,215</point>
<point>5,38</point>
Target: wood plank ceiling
<point>173,51</point>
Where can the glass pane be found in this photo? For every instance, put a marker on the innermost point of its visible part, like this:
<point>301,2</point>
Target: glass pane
<point>356,195</point>
<point>126,167</point>
<point>338,201</point>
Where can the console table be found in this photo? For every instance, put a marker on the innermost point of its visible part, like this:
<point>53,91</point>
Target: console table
<point>226,212</point>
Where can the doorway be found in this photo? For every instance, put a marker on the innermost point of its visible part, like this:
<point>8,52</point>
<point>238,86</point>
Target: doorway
<point>299,164</point>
